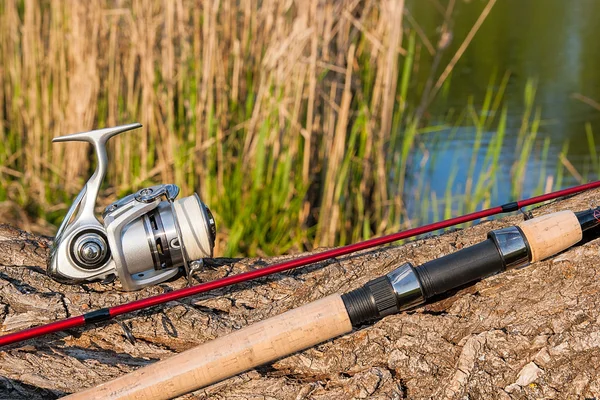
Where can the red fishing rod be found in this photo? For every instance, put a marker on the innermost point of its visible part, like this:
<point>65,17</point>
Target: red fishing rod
<point>104,314</point>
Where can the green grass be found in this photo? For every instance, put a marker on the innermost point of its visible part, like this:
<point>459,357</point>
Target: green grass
<point>236,103</point>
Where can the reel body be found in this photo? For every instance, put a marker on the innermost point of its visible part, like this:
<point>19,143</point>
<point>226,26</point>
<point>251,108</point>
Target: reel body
<point>144,238</point>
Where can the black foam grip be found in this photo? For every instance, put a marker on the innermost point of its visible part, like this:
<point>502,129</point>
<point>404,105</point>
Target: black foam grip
<point>459,268</point>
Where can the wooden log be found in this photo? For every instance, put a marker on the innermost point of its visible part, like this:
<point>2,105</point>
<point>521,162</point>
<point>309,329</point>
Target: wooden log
<point>528,333</point>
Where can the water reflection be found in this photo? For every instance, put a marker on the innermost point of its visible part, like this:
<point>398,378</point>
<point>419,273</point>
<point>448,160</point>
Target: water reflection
<point>552,42</point>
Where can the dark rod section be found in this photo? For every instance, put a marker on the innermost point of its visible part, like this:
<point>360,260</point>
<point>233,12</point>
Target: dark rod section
<point>459,268</point>
<point>588,219</point>
<point>504,248</point>
<point>102,314</point>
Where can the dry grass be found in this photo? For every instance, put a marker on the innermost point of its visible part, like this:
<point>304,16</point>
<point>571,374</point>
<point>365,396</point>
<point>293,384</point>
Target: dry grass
<point>224,87</point>
<point>284,116</point>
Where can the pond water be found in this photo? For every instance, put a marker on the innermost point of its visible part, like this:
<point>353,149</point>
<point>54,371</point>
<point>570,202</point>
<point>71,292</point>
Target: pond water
<point>552,43</point>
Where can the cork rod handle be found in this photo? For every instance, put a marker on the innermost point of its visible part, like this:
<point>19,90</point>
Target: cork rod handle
<point>229,355</point>
<point>550,234</point>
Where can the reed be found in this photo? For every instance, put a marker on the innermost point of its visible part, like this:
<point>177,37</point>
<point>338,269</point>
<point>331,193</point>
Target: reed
<point>248,104</point>
<point>292,120</point>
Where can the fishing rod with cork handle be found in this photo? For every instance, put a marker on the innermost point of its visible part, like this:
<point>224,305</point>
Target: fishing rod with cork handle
<point>403,288</point>
<point>149,237</point>
<point>105,314</point>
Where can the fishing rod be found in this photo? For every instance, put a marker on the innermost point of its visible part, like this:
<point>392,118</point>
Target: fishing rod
<point>145,240</point>
<point>401,289</point>
<point>105,314</point>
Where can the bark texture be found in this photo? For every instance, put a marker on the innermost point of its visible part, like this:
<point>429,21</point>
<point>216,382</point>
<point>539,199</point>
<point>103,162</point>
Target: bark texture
<point>528,333</point>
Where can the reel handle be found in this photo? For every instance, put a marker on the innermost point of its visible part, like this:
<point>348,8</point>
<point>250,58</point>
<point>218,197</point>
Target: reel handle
<point>98,139</point>
<point>85,222</point>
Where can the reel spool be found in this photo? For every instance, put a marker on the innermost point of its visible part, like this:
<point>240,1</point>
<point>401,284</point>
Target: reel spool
<point>145,237</point>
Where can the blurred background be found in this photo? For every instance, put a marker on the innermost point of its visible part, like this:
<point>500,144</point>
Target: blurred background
<point>302,124</point>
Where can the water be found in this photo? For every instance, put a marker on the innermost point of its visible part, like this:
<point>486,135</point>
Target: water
<point>550,42</point>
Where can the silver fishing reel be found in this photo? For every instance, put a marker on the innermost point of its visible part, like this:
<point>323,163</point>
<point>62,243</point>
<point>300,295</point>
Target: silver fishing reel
<point>145,237</point>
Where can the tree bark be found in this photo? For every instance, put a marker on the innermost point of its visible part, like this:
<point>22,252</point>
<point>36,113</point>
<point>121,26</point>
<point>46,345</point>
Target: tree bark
<point>528,333</point>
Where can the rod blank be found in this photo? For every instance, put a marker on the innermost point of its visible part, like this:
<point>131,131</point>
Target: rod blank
<point>73,322</point>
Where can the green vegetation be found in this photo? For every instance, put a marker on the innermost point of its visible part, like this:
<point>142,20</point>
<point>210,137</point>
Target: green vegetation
<point>296,125</point>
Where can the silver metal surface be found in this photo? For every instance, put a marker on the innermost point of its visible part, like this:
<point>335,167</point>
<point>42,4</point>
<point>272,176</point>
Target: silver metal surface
<point>184,257</point>
<point>175,253</point>
<point>146,195</point>
<point>133,272</point>
<point>174,244</point>
<point>98,139</point>
<point>143,232</point>
<point>162,238</point>
<point>136,242</point>
<point>80,217</point>
<point>90,250</point>
<point>208,229</point>
<point>140,240</point>
<point>406,286</point>
<point>210,226</point>
<point>195,266</point>
<point>512,246</point>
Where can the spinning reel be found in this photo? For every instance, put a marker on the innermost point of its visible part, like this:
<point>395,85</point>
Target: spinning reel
<point>145,237</point>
